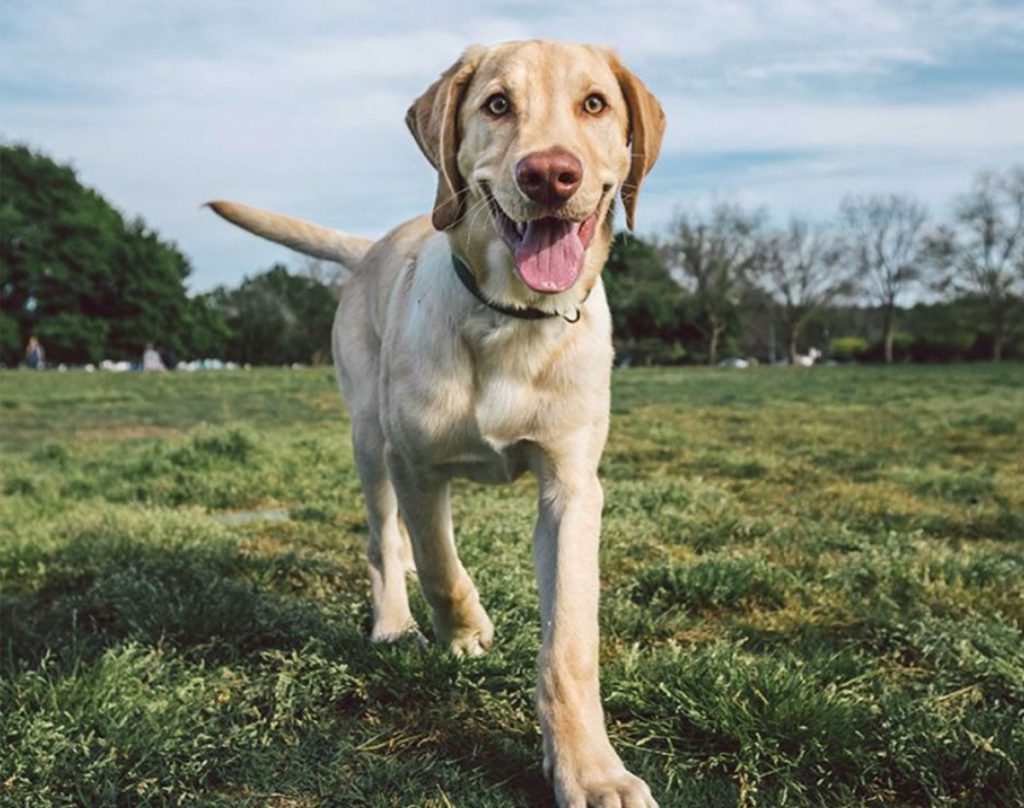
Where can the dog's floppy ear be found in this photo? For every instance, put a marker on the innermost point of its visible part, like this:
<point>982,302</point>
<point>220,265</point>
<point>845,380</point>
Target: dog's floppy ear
<point>646,128</point>
<point>433,120</point>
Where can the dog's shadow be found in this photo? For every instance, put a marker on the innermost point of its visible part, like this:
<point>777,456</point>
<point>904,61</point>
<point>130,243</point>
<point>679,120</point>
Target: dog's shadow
<point>290,632</point>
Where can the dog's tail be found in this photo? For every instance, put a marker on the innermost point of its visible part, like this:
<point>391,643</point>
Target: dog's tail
<point>306,237</point>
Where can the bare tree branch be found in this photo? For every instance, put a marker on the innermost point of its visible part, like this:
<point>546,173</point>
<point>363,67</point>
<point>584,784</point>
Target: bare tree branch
<point>801,272</point>
<point>885,250</point>
<point>714,257</point>
<point>982,255</point>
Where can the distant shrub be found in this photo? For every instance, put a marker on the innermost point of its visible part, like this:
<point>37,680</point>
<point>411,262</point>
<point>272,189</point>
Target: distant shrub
<point>902,343</point>
<point>951,346</point>
<point>901,340</point>
<point>847,349</point>
<point>649,351</point>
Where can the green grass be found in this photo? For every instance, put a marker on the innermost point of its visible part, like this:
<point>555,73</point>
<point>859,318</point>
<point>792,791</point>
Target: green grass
<point>813,594</point>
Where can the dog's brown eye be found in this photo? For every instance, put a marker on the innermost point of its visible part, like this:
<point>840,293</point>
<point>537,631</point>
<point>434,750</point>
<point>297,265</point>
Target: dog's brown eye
<point>593,103</point>
<point>498,104</point>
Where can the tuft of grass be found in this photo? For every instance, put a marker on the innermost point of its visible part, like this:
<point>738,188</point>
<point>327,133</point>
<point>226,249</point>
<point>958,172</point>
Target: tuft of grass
<point>715,583</point>
<point>968,486</point>
<point>209,445</point>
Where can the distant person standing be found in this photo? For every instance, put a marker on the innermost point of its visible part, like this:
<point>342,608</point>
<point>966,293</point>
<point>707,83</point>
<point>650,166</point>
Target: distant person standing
<point>151,359</point>
<point>35,356</point>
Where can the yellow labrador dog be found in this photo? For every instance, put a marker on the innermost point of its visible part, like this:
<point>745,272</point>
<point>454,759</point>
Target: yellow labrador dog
<point>477,343</point>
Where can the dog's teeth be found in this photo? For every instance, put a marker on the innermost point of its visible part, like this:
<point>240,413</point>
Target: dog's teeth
<point>521,227</point>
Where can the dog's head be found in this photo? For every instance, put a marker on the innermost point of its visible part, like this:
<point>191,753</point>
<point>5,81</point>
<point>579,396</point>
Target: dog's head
<point>532,142</point>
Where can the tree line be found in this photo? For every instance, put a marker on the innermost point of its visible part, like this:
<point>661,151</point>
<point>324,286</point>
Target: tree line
<point>880,281</point>
<point>746,287</point>
<point>92,284</point>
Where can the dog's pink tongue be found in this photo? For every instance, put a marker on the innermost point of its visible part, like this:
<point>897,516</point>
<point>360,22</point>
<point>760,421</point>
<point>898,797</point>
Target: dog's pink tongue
<point>550,256</point>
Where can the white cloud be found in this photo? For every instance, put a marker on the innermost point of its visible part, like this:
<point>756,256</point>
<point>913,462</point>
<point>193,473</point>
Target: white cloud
<point>842,63</point>
<point>978,125</point>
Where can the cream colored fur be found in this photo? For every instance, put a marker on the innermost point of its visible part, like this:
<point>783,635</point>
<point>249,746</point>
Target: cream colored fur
<point>440,386</point>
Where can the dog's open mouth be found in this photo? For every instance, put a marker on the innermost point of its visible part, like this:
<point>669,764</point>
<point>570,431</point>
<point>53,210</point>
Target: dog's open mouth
<point>548,252</point>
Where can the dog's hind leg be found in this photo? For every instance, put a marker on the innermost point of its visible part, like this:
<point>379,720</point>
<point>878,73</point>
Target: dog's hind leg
<point>388,545</point>
<point>460,622</point>
<point>355,351</point>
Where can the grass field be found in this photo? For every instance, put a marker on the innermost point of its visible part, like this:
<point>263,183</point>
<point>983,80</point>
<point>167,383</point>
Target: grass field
<point>813,594</point>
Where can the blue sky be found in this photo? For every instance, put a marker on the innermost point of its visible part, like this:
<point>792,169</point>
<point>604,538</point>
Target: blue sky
<point>299,107</point>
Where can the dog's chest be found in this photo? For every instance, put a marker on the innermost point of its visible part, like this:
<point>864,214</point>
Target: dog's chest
<point>497,431</point>
<point>478,432</point>
<point>477,413</point>
<point>506,410</point>
<point>502,410</point>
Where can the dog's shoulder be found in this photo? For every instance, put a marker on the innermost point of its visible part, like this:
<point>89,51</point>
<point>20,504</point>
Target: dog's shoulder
<point>381,282</point>
<point>400,244</point>
<point>394,251</point>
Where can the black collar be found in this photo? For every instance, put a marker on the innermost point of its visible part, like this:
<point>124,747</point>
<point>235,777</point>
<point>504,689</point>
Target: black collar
<point>522,313</point>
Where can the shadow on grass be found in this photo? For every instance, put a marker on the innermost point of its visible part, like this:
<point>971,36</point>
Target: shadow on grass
<point>205,665</point>
<point>209,601</point>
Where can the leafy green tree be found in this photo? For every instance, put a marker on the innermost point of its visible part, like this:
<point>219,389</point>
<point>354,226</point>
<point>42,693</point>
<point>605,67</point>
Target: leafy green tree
<point>74,337</point>
<point>277,318</point>
<point>210,332</point>
<point>10,340</point>
<point>650,311</point>
<point>88,282</point>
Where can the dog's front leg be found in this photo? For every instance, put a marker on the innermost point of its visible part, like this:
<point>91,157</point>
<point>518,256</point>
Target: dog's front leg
<point>578,757</point>
<point>460,622</point>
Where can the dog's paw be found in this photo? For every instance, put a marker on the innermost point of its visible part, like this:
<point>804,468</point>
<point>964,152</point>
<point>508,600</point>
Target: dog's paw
<point>407,630</point>
<point>603,785</point>
<point>467,631</point>
<point>472,644</point>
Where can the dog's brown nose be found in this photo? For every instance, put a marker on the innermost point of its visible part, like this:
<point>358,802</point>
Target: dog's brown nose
<point>550,176</point>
